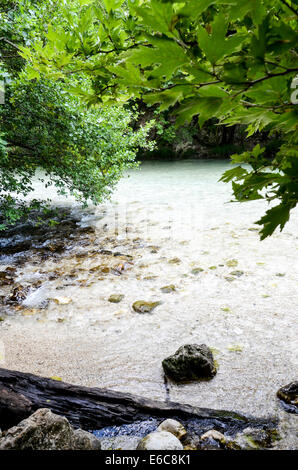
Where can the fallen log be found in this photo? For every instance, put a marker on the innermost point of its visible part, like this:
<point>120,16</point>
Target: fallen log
<point>21,394</point>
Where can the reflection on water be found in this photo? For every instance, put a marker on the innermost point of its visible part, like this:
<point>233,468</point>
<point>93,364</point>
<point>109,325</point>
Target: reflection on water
<point>169,223</point>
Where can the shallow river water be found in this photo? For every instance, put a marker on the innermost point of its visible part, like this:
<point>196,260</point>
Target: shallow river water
<point>164,222</point>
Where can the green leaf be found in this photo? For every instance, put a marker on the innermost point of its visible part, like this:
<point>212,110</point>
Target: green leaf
<point>254,8</point>
<point>194,8</point>
<point>216,45</point>
<point>166,57</point>
<point>160,16</point>
<point>167,98</point>
<point>112,4</point>
<point>278,216</point>
<point>32,73</point>
<point>234,173</point>
<point>205,107</point>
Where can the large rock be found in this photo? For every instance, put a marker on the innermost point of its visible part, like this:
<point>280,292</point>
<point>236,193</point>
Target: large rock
<point>160,440</point>
<point>289,394</point>
<point>45,430</point>
<point>255,439</point>
<point>190,362</point>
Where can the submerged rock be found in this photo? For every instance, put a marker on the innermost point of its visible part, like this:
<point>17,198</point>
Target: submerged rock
<point>248,439</point>
<point>160,440</point>
<point>62,300</point>
<point>150,278</point>
<point>175,261</point>
<point>237,273</point>
<point>174,427</point>
<point>197,271</point>
<point>212,440</point>
<point>154,249</point>
<point>6,277</point>
<point>19,294</point>
<point>213,434</point>
<point>11,270</point>
<point>289,395</point>
<point>255,439</point>
<point>190,362</point>
<point>45,430</point>
<point>116,298</point>
<point>145,307</point>
<point>168,289</point>
<point>232,263</point>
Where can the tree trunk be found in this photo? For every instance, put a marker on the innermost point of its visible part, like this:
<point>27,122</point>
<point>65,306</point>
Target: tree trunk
<point>93,408</point>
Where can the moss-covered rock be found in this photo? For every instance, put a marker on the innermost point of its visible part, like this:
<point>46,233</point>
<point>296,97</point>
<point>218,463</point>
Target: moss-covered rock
<point>190,362</point>
<point>145,307</point>
<point>237,273</point>
<point>196,271</point>
<point>232,263</point>
<point>175,260</point>
<point>45,430</point>
<point>116,298</point>
<point>168,289</point>
<point>289,395</point>
<point>255,439</point>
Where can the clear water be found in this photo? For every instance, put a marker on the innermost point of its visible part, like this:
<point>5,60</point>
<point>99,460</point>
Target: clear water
<point>164,211</point>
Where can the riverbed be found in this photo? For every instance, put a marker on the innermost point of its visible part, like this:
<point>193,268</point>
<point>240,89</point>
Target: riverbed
<point>167,224</point>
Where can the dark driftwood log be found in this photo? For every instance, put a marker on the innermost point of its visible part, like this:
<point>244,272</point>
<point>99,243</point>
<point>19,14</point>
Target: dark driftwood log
<point>93,408</point>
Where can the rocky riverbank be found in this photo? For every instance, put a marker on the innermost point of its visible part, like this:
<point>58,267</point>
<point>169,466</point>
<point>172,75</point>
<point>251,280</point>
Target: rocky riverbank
<point>68,290</point>
<point>45,430</point>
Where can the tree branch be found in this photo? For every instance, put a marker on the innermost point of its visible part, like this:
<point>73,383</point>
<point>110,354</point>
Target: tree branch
<point>290,7</point>
<point>10,43</point>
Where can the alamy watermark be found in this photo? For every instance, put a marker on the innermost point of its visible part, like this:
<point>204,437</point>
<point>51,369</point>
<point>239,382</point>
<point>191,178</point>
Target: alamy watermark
<point>2,92</point>
<point>294,94</point>
<point>2,353</point>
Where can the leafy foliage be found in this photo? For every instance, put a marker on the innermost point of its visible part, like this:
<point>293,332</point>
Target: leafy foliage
<point>49,134</point>
<point>233,60</point>
<point>82,152</point>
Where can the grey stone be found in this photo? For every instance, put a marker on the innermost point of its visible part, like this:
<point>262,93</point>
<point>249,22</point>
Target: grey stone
<point>83,440</point>
<point>289,394</point>
<point>45,430</point>
<point>213,434</point>
<point>190,362</point>
<point>160,440</point>
<point>254,439</point>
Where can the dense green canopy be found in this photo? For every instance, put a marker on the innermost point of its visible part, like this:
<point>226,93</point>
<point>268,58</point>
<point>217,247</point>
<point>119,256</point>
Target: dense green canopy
<point>51,134</point>
<point>233,60</point>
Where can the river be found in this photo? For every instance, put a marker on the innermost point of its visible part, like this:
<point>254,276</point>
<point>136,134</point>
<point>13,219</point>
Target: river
<point>169,223</point>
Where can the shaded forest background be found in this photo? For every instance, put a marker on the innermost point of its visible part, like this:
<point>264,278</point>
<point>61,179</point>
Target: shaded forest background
<point>190,141</point>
